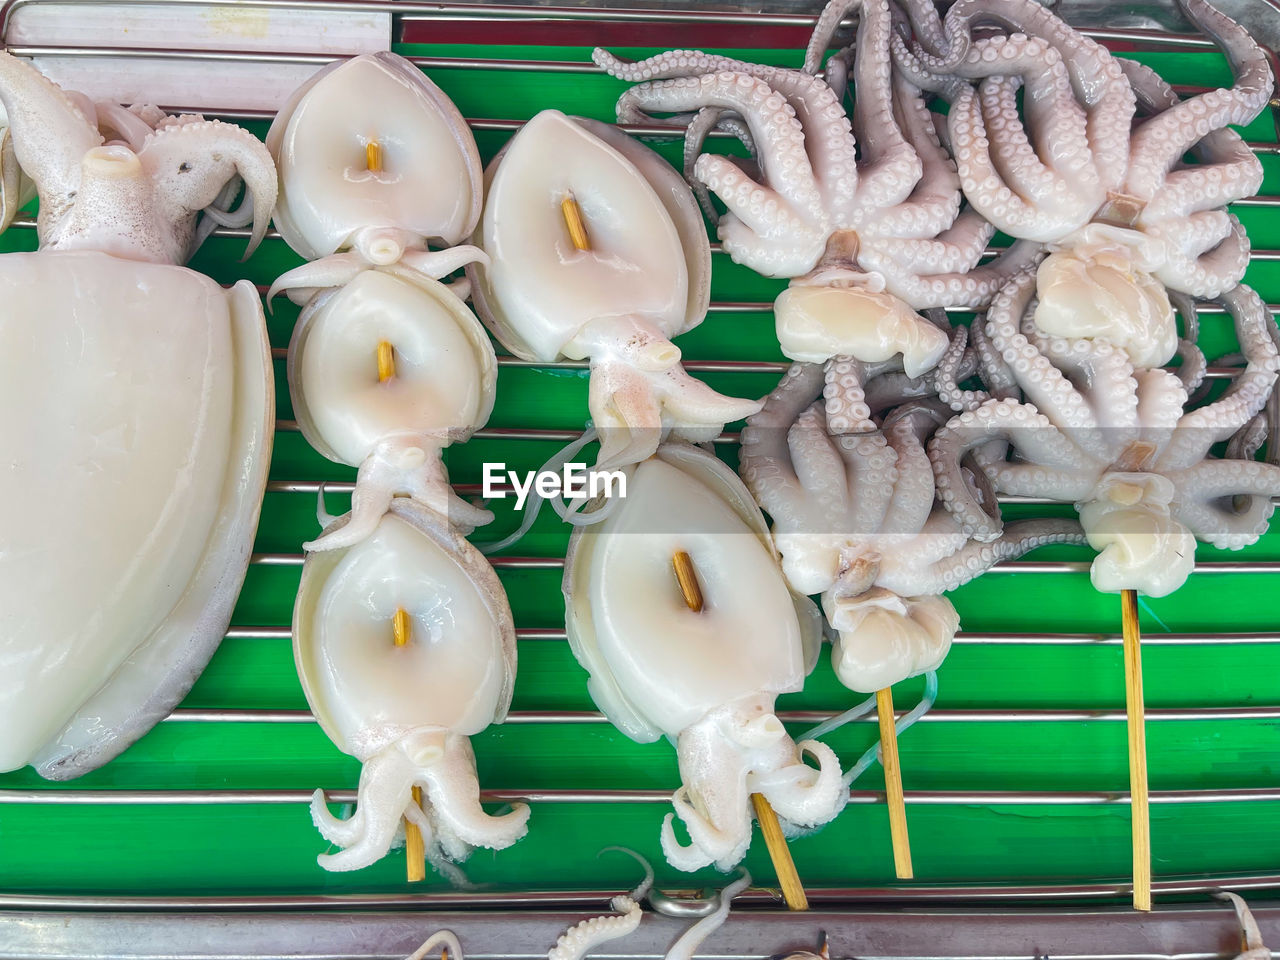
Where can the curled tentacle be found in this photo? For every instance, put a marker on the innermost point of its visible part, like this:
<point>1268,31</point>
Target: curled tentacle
<point>1161,141</point>
<point>1023,426</point>
<point>1199,429</point>
<point>400,466</point>
<point>692,939</point>
<point>1226,502</point>
<point>580,939</point>
<point>454,794</point>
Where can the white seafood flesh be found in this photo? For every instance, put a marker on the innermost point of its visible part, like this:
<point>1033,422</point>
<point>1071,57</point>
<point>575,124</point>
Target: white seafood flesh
<point>643,278</point>
<point>428,187</point>
<point>138,406</point>
<point>442,390</point>
<point>386,366</point>
<point>705,678</point>
<point>406,711</point>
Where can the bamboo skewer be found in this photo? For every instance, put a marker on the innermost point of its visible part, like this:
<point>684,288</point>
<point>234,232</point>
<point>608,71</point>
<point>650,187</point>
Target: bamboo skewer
<point>1139,809</point>
<point>386,361</point>
<point>784,866</point>
<point>415,854</point>
<point>893,785</point>
<point>573,221</point>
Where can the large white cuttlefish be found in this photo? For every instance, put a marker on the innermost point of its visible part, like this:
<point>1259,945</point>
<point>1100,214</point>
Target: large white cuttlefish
<point>704,671</point>
<point>137,408</point>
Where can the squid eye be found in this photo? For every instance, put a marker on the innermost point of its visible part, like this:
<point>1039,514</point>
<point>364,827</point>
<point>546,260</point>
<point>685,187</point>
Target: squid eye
<point>184,167</point>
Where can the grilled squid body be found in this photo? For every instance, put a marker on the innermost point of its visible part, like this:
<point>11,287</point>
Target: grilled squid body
<point>405,711</point>
<point>643,278</point>
<point>707,678</point>
<point>386,366</point>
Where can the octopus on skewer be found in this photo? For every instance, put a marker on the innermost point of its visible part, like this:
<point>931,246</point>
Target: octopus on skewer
<point>1120,214</point>
<point>864,218</point>
<point>855,519</point>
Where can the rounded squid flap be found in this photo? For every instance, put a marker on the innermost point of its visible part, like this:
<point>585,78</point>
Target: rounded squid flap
<point>390,353</point>
<point>409,628</point>
<point>815,324</point>
<point>884,638</point>
<point>372,142</point>
<point>659,664</point>
<point>540,289</point>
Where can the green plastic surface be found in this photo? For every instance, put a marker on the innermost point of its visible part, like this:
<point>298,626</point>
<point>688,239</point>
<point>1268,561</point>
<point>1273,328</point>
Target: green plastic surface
<point>247,849</point>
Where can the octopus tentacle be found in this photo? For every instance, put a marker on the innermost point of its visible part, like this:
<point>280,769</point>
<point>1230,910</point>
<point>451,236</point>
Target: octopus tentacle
<point>986,189</point>
<point>947,380</point>
<point>995,373</point>
<point>933,204</point>
<point>1208,494</point>
<point>890,167</point>
<point>1202,274</point>
<point>1017,539</point>
<point>766,458</point>
<point>1161,141</point>
<point>818,464</point>
<point>1199,429</point>
<point>1030,432</point>
<point>955,250</point>
<point>913,491</point>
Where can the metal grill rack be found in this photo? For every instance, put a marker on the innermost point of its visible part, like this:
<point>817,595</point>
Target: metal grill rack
<point>154,914</point>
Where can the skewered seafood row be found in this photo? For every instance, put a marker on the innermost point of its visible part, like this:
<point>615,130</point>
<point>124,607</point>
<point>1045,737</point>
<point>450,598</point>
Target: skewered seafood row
<point>402,633</point>
<point>864,219</point>
<point>856,519</point>
<point>707,677</point>
<point>137,416</point>
<point>596,250</point>
<point>1090,418</point>
<point>1120,214</point>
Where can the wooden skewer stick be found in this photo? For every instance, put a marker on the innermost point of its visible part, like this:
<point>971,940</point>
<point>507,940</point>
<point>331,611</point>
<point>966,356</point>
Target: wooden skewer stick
<point>401,627</point>
<point>415,854</point>
<point>386,361</point>
<point>1139,809</point>
<point>893,785</point>
<point>414,850</point>
<point>373,156</point>
<point>784,866</point>
<point>573,220</point>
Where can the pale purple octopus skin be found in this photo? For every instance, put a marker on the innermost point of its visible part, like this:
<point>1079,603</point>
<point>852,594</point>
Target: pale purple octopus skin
<point>830,470</point>
<point>817,207</point>
<point>1075,157</point>
<point>1073,444</point>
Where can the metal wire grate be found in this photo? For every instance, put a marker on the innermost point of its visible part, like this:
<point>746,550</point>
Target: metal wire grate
<point>23,795</point>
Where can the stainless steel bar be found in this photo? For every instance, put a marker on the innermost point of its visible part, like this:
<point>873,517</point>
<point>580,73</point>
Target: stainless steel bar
<point>414,10</point>
<point>541,634</point>
<point>124,797</point>
<point>1008,566</point>
<point>915,893</point>
<point>1201,932</point>
<point>591,717</point>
